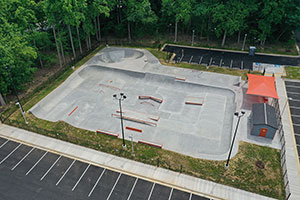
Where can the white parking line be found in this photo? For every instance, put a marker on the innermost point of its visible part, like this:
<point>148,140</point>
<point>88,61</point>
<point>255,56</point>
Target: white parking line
<point>22,159</point>
<point>294,100</point>
<point>3,144</point>
<point>295,115</point>
<point>190,196</point>
<point>170,194</point>
<point>151,191</point>
<point>50,168</point>
<point>136,179</point>
<point>81,177</point>
<point>292,92</point>
<point>36,163</point>
<point>92,190</point>
<point>10,154</point>
<point>65,172</point>
<point>114,186</point>
<point>292,86</point>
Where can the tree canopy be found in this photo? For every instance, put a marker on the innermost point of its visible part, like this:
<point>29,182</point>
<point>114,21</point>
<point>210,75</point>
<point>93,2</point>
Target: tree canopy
<point>32,30</point>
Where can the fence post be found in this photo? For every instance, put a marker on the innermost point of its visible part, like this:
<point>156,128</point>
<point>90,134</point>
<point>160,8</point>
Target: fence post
<point>157,162</point>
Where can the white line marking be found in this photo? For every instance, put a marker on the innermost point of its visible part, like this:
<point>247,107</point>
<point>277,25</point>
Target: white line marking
<point>294,100</point>
<point>22,159</point>
<point>114,186</point>
<point>170,194</point>
<point>190,196</point>
<point>50,168</point>
<point>295,115</point>
<point>36,163</point>
<point>65,172</point>
<point>151,191</point>
<point>292,86</point>
<point>136,179</point>
<point>92,190</point>
<point>81,177</point>
<point>10,154</point>
<point>3,144</point>
<point>292,92</point>
<point>294,107</point>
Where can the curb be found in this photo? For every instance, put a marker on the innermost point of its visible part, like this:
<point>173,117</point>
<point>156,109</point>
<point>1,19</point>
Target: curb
<point>233,51</point>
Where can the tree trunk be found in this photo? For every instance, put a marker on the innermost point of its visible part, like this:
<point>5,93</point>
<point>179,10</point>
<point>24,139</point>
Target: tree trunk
<point>78,38</point>
<point>38,53</point>
<point>99,28</point>
<point>2,102</point>
<point>57,48</point>
<point>61,47</point>
<point>90,41</point>
<point>129,34</point>
<point>224,38</point>
<point>71,38</point>
<point>87,43</point>
<point>96,28</point>
<point>176,24</point>
<point>239,37</point>
<point>281,34</point>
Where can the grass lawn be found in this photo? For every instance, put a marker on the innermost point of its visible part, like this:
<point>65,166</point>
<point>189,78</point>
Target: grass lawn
<point>242,172</point>
<point>292,73</point>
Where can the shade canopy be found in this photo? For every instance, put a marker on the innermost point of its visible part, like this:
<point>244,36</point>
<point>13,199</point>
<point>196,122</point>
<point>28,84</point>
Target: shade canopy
<point>262,86</point>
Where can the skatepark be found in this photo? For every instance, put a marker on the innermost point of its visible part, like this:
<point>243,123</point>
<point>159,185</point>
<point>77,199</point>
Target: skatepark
<point>182,110</point>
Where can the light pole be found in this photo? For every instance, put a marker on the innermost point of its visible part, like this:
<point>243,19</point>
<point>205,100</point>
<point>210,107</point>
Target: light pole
<point>236,128</point>
<point>193,36</point>
<point>289,98</point>
<point>132,148</point>
<point>121,98</point>
<point>244,42</point>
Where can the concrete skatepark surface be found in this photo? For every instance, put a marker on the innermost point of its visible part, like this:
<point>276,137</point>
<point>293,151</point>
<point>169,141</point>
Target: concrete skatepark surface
<point>85,100</point>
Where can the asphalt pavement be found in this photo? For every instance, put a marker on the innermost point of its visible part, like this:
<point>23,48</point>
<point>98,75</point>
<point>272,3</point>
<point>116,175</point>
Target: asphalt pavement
<point>293,93</point>
<point>27,172</point>
<point>226,58</point>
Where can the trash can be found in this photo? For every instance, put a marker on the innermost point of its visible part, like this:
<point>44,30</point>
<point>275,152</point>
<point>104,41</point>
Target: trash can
<point>252,51</point>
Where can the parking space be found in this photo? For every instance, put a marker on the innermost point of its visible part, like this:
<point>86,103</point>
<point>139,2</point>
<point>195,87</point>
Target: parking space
<point>293,92</point>
<point>226,59</point>
<point>30,173</point>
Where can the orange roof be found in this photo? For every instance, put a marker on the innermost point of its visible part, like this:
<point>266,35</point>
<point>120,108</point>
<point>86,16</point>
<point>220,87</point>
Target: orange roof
<point>262,86</point>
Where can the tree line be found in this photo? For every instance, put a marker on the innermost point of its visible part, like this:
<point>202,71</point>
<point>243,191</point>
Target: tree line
<point>31,30</point>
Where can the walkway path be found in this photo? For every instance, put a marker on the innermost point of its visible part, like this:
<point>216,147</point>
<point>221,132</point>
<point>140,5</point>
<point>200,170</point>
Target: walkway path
<point>292,162</point>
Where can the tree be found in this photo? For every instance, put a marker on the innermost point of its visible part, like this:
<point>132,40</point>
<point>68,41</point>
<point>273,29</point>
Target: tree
<point>72,14</point>
<point>180,10</point>
<point>16,53</point>
<point>229,17</point>
<point>94,8</point>
<point>270,14</point>
<point>138,11</point>
<point>51,9</point>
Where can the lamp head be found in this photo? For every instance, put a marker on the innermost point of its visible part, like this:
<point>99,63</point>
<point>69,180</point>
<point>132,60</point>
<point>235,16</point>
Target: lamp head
<point>115,96</point>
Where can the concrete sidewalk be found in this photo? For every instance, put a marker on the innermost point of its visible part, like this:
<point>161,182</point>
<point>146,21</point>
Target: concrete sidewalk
<point>292,162</point>
<point>159,175</point>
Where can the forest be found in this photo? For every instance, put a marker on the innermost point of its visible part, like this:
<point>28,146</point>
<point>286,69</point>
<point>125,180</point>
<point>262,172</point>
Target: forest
<point>40,33</point>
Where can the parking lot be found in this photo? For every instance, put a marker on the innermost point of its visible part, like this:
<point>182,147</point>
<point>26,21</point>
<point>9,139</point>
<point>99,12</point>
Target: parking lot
<point>30,173</point>
<point>293,92</point>
<point>226,59</point>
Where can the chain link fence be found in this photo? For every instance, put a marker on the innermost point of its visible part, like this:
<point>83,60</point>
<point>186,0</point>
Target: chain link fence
<point>282,150</point>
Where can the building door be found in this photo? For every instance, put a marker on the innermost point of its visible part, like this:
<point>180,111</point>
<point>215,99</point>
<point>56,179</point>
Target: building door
<point>263,132</point>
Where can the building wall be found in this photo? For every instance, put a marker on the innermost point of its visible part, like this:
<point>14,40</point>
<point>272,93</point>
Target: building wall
<point>256,130</point>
